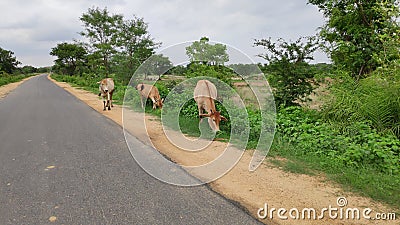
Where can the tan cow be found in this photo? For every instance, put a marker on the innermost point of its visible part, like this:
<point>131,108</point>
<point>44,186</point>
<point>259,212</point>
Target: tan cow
<point>204,94</point>
<point>106,88</point>
<point>149,91</point>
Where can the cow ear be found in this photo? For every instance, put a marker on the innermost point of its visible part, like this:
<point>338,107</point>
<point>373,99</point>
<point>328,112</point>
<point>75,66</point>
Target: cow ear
<point>223,118</point>
<point>162,100</point>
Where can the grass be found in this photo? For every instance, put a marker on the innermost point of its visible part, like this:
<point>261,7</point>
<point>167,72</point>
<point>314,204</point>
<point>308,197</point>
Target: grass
<point>191,127</point>
<point>365,181</point>
<point>7,78</point>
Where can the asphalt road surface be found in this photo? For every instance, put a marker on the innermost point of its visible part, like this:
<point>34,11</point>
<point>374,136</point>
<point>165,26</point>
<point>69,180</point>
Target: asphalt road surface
<point>62,161</point>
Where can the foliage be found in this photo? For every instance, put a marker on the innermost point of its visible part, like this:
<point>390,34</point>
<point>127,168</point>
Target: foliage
<point>69,57</point>
<point>365,179</point>
<point>6,78</point>
<point>245,69</point>
<point>136,46</point>
<point>101,30</point>
<point>8,62</point>
<point>358,145</point>
<point>222,73</point>
<point>111,45</point>
<point>288,72</point>
<point>360,35</point>
<point>29,69</point>
<point>202,51</point>
<point>155,65</point>
<point>178,70</point>
<point>374,99</point>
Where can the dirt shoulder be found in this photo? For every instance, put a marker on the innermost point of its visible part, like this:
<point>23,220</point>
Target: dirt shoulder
<point>5,89</point>
<point>251,190</point>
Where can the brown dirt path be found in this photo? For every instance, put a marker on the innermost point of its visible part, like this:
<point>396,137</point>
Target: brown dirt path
<point>268,184</point>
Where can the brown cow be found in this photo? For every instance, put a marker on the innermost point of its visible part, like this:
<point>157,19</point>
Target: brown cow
<point>106,88</point>
<point>148,91</point>
<point>204,94</point>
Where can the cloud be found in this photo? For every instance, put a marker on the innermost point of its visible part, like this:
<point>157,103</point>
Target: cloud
<point>32,28</point>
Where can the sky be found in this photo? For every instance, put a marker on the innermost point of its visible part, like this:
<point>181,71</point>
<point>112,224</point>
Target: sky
<point>31,28</point>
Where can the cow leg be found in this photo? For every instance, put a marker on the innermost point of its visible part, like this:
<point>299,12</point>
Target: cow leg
<point>111,94</point>
<point>141,100</point>
<point>108,101</point>
<point>154,102</point>
<point>200,110</point>
<point>104,104</point>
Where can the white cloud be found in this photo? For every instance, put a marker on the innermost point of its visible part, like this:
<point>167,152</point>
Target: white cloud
<point>32,28</point>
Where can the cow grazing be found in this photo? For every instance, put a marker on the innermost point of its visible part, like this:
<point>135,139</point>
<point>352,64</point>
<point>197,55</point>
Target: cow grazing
<point>149,91</point>
<point>204,94</point>
<point>106,88</point>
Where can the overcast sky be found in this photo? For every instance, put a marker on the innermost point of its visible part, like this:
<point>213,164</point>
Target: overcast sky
<point>30,28</point>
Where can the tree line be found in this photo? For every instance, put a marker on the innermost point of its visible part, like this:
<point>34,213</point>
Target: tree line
<point>9,65</point>
<point>359,36</point>
<point>110,44</point>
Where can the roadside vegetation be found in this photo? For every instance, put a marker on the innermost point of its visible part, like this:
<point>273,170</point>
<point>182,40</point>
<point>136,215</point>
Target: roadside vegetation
<point>9,70</point>
<point>7,78</point>
<point>352,138</point>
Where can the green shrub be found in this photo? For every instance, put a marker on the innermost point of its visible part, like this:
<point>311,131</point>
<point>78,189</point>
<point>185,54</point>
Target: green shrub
<point>359,145</point>
<point>6,78</point>
<point>222,73</point>
<point>374,100</point>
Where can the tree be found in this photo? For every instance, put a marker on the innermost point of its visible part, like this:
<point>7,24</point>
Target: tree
<point>155,65</point>
<point>29,69</point>
<point>8,62</point>
<point>69,57</point>
<point>158,65</point>
<point>220,72</point>
<point>102,31</point>
<point>361,35</point>
<point>136,45</point>
<point>178,70</point>
<point>288,71</point>
<point>245,69</point>
<point>202,51</point>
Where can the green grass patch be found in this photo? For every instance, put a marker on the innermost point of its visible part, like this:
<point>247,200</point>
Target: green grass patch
<point>8,78</point>
<point>365,180</point>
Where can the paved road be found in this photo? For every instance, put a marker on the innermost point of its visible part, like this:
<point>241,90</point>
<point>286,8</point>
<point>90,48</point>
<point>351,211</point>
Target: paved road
<point>61,159</point>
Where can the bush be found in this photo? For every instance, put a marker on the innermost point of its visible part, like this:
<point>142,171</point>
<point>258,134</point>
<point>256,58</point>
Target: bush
<point>6,78</point>
<point>374,100</point>
<point>222,73</point>
<point>358,145</point>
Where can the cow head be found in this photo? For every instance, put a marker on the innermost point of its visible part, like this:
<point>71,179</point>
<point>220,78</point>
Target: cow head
<point>159,103</point>
<point>103,86</point>
<point>214,119</point>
